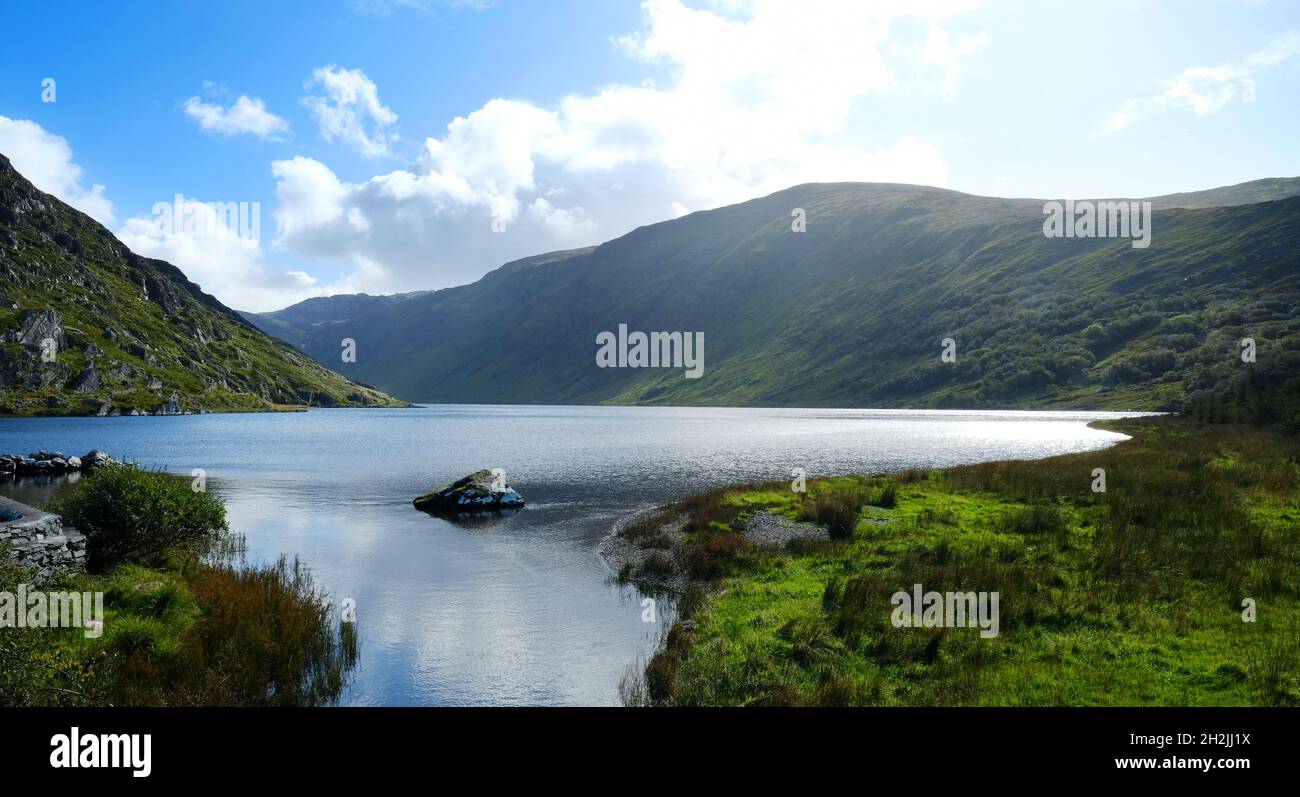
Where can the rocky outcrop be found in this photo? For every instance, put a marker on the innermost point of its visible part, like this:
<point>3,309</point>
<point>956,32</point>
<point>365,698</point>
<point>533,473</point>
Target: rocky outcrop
<point>74,333</point>
<point>41,338</point>
<point>41,325</point>
<point>39,541</point>
<point>87,381</point>
<point>484,491</point>
<point>52,462</point>
<point>171,407</point>
<point>98,459</point>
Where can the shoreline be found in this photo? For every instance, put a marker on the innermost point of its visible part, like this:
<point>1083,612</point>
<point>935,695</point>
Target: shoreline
<point>810,624</point>
<point>616,552</point>
<point>1120,413</point>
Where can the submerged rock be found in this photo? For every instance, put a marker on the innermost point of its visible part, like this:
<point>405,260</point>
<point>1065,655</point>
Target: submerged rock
<point>477,492</point>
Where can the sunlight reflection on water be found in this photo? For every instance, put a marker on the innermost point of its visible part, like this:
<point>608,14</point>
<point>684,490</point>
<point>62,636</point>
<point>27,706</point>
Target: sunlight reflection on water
<point>520,611</point>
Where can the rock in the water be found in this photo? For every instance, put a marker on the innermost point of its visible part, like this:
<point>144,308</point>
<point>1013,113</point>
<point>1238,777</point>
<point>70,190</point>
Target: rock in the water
<point>476,492</point>
<point>74,463</point>
<point>97,459</point>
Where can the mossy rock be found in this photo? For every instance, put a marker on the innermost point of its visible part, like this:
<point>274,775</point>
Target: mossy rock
<point>480,491</point>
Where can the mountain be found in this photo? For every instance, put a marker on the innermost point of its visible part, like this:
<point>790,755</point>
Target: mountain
<point>292,323</point>
<point>852,311</point>
<point>1264,190</point>
<point>87,326</point>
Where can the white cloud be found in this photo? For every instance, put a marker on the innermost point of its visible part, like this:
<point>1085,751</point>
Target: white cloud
<point>759,95</point>
<point>1206,90</point>
<point>245,115</point>
<point>946,50</point>
<point>46,160</point>
<point>351,111</point>
<point>222,252</point>
<point>762,95</point>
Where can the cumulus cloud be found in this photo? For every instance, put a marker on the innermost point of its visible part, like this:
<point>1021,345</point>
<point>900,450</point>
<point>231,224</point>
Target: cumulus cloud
<point>218,245</point>
<point>762,96</point>
<point>350,110</point>
<point>1206,90</point>
<point>46,160</point>
<point>245,115</point>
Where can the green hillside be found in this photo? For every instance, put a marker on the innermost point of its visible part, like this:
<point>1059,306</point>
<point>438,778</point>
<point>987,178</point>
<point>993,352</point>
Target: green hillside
<point>88,327</point>
<point>852,311</point>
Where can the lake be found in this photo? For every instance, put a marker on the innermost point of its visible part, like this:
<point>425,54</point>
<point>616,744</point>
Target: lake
<point>521,610</point>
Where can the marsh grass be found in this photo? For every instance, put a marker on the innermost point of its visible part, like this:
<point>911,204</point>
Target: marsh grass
<point>1129,597</point>
<point>187,620</point>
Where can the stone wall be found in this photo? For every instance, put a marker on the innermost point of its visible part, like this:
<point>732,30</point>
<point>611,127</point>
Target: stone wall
<point>37,540</point>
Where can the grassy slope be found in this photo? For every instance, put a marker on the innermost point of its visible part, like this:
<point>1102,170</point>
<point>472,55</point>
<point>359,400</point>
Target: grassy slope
<point>1131,597</point>
<point>52,256</point>
<point>851,312</point>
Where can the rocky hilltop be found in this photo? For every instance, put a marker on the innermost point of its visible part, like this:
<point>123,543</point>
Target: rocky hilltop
<point>88,327</point>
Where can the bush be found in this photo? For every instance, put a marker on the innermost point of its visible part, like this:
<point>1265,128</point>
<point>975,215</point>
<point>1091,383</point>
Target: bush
<point>130,515</point>
<point>37,668</point>
<point>837,509</point>
<point>887,498</point>
<point>271,634</point>
<point>712,554</point>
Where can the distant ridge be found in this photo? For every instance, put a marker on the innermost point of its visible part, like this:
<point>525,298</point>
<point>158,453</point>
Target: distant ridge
<point>851,312</point>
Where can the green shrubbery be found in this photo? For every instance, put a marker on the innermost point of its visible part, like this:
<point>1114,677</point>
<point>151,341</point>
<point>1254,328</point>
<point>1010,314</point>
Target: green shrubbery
<point>186,621</point>
<point>135,515</point>
<point>837,508</point>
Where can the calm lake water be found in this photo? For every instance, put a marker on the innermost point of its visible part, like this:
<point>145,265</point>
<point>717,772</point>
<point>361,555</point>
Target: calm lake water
<point>520,610</point>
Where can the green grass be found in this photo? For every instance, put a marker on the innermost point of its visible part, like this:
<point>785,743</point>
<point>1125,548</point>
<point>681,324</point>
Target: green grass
<point>186,620</point>
<point>1132,597</point>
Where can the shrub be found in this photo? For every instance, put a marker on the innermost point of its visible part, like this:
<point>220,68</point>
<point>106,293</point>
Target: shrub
<point>711,555</point>
<point>271,634</point>
<point>887,498</point>
<point>130,515</point>
<point>37,668</point>
<point>656,565</point>
<point>1038,519</point>
<point>262,635</point>
<point>837,509</point>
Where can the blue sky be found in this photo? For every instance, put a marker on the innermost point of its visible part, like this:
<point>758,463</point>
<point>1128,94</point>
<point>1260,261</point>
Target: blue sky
<point>400,146</point>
